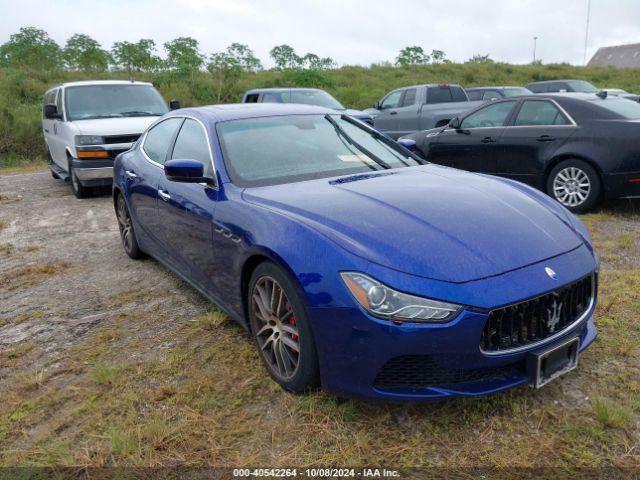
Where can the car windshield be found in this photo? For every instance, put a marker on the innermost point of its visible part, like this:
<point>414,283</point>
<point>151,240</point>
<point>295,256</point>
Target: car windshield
<point>312,97</point>
<point>620,106</point>
<point>286,149</point>
<point>516,91</point>
<point>109,101</point>
<point>582,86</point>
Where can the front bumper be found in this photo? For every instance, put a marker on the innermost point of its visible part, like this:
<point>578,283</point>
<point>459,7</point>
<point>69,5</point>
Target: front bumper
<point>94,172</point>
<point>350,366</point>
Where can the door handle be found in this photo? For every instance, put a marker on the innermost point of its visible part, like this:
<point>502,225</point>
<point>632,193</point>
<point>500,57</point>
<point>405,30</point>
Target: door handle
<point>393,112</point>
<point>164,195</point>
<point>488,140</point>
<point>131,174</point>
<point>546,138</point>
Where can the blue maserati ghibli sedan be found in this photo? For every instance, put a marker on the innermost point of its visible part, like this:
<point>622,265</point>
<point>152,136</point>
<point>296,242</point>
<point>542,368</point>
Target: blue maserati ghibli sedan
<point>355,265</point>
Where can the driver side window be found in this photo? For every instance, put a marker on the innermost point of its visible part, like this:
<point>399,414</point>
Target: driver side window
<point>491,116</point>
<point>392,100</point>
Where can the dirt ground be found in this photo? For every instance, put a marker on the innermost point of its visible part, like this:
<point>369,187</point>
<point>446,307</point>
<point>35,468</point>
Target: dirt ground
<point>109,361</point>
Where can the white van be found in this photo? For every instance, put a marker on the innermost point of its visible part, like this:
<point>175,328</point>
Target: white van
<point>86,124</point>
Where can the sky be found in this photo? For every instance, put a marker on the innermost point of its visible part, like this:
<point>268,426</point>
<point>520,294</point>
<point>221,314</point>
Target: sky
<point>353,32</point>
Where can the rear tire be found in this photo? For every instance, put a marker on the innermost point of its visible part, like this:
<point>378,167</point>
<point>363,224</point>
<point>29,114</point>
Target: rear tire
<point>281,330</point>
<point>78,190</point>
<point>127,233</point>
<point>575,184</point>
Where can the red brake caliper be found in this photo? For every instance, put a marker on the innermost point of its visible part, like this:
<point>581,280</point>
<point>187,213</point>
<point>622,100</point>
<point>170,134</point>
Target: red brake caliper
<point>292,321</point>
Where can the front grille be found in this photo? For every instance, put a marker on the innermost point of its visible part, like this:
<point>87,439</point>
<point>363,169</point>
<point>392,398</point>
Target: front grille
<point>121,139</point>
<point>533,320</point>
<point>419,371</point>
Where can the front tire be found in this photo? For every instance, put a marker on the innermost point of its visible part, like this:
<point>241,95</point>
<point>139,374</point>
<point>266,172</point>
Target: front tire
<point>575,184</point>
<point>78,190</point>
<point>281,330</point>
<point>125,225</point>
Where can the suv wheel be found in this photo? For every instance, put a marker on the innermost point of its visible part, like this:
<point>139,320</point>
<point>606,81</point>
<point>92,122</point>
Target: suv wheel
<point>575,184</point>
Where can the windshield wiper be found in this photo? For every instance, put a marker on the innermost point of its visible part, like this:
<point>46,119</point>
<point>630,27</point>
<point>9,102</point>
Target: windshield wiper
<point>383,138</point>
<point>139,113</point>
<point>340,131</point>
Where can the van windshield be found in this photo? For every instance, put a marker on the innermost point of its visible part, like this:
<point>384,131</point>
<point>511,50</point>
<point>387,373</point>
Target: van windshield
<point>110,101</point>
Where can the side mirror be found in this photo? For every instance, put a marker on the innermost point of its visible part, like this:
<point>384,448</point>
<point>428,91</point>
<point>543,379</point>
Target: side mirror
<point>376,105</point>
<point>408,143</point>
<point>455,123</point>
<point>174,104</point>
<point>51,111</point>
<point>186,171</point>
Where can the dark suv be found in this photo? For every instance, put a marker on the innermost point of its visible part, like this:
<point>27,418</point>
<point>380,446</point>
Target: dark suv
<point>554,86</point>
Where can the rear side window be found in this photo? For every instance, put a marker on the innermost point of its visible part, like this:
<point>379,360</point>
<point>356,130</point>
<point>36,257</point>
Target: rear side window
<point>439,95</point>
<point>534,112</point>
<point>537,87</point>
<point>158,139</point>
<point>409,97</point>
<point>491,116</point>
<point>191,144</point>
<point>558,87</point>
<point>251,98</point>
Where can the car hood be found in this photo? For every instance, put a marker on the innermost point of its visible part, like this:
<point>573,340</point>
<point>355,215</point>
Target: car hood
<point>114,126</point>
<point>430,221</point>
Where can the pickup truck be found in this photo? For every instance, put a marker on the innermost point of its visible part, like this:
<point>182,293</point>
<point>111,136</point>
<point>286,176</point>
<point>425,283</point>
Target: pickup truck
<point>419,107</point>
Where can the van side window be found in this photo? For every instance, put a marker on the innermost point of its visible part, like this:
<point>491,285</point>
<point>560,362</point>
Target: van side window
<point>49,99</point>
<point>59,101</point>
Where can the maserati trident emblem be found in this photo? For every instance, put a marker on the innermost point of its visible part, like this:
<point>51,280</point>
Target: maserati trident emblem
<point>553,317</point>
<point>551,272</point>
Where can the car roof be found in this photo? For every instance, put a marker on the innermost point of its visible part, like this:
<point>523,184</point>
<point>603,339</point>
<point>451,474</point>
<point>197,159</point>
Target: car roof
<point>558,80</point>
<point>494,88</point>
<point>241,111</point>
<point>280,89</point>
<point>100,82</point>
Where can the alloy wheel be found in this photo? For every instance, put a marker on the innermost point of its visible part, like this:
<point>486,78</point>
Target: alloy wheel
<point>571,186</point>
<point>124,223</point>
<point>277,332</point>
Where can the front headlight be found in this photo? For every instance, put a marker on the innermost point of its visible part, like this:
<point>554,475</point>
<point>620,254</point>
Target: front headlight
<point>382,301</point>
<point>89,140</point>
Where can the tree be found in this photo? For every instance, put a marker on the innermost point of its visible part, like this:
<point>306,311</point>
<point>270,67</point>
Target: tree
<point>314,62</point>
<point>412,56</point>
<point>285,57</point>
<point>438,56</point>
<point>30,47</point>
<point>183,55</point>
<point>477,58</point>
<point>227,66</point>
<point>135,56</point>
<point>83,53</point>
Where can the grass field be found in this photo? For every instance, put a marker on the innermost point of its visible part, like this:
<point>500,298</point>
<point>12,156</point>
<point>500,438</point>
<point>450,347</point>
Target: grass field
<point>152,375</point>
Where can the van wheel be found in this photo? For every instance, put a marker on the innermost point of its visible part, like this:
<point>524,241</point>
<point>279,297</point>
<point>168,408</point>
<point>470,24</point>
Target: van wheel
<point>575,184</point>
<point>78,190</point>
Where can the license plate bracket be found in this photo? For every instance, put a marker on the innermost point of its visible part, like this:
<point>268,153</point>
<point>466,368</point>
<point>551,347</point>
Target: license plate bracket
<point>546,366</point>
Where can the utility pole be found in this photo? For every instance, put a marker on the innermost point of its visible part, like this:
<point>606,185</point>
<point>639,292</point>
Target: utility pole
<point>586,33</point>
<point>535,40</point>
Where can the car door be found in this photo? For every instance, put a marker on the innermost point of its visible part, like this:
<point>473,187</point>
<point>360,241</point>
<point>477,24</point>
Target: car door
<point>475,145</point>
<point>57,129</point>
<point>47,123</point>
<point>185,210</point>
<point>386,120</point>
<point>143,175</point>
<point>407,113</point>
<point>537,130</point>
